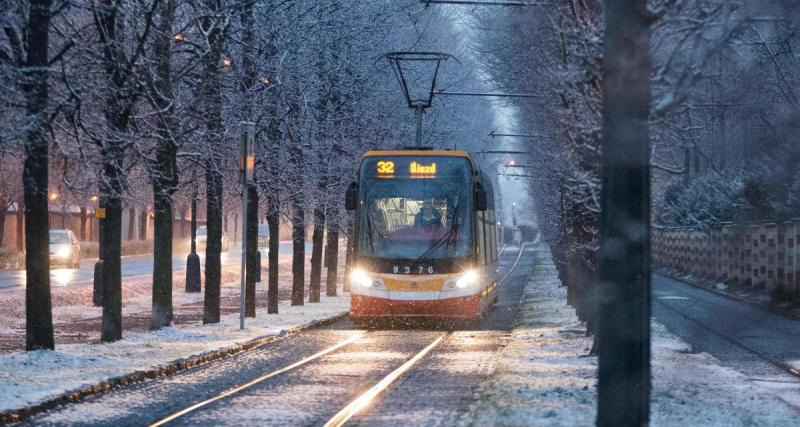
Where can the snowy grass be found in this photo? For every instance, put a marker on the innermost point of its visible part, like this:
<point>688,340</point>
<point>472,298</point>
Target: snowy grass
<point>542,377</point>
<point>28,378</point>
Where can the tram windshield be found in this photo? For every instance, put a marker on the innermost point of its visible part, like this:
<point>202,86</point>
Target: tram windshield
<point>415,208</point>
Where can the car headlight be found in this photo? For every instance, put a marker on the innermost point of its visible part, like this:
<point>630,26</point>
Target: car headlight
<point>360,277</point>
<point>64,252</point>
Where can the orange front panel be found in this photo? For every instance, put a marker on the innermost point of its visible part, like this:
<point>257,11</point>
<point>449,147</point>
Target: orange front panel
<point>459,307</point>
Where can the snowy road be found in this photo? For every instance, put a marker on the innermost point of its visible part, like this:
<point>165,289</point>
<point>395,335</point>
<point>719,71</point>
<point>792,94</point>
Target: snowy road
<point>435,391</point>
<point>727,329</point>
<point>137,265</point>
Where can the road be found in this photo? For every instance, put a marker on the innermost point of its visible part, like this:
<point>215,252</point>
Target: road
<point>308,378</point>
<point>742,336</point>
<point>136,265</point>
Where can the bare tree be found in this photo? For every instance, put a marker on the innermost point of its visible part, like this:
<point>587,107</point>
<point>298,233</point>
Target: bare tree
<point>38,310</point>
<point>164,173</point>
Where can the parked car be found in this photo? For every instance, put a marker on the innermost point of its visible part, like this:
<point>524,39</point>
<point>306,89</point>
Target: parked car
<point>65,248</point>
<point>202,238</point>
<point>263,238</point>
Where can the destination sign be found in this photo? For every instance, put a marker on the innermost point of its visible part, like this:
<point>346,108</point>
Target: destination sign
<point>415,169</point>
<point>389,167</point>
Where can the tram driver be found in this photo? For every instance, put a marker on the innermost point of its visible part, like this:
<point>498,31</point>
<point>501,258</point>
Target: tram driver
<point>428,217</point>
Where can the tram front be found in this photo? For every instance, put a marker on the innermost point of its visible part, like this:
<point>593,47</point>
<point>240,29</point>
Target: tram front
<point>415,252</point>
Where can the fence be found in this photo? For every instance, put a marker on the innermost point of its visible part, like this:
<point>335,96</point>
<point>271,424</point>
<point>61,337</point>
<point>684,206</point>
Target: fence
<point>764,255</point>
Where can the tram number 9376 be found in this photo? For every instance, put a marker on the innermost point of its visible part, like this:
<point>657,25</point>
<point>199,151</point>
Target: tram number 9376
<point>407,270</point>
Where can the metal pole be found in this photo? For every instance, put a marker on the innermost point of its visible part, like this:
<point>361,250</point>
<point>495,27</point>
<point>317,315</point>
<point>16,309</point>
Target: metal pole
<point>246,153</point>
<point>419,126</point>
<point>244,249</point>
<point>194,223</point>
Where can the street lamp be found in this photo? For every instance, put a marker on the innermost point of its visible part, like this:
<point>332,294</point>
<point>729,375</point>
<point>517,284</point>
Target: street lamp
<point>416,72</point>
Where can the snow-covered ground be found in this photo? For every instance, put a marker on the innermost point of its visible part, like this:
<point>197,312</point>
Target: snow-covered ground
<point>28,378</point>
<point>543,377</point>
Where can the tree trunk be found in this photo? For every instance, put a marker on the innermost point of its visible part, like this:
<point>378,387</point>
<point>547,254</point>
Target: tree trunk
<point>316,253</point>
<point>111,192</point>
<point>83,222</point>
<point>348,254</point>
<point>3,212</point>
<point>21,225</point>
<point>213,244</point>
<point>165,171</point>
<point>162,258</point>
<point>182,224</point>
<point>212,27</point>
<point>623,395</point>
<point>273,220</point>
<point>332,259</point>
<point>298,252</point>
<point>143,220</point>
<point>252,251</point>
<point>38,308</point>
<point>131,222</point>
<point>235,228</point>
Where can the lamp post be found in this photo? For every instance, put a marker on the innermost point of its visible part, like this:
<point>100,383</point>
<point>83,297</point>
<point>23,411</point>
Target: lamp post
<point>416,72</point>
<point>193,283</point>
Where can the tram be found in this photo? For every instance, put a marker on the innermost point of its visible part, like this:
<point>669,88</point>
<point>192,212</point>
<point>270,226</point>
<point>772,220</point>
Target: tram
<point>425,240</point>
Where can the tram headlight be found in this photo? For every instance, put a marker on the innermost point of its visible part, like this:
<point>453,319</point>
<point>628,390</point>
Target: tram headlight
<point>361,278</point>
<point>468,279</point>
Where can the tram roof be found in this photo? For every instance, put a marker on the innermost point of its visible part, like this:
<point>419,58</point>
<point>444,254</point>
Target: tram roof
<point>446,153</point>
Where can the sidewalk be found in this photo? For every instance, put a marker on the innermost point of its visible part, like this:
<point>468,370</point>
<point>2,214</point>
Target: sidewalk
<point>543,378</point>
<point>76,320</point>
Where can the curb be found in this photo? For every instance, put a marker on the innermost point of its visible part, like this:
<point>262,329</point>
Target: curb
<point>775,310</point>
<point>167,369</point>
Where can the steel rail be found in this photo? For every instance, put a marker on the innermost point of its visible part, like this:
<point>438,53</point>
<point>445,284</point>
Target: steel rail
<point>789,369</point>
<point>513,266</point>
<point>361,401</point>
<point>251,383</point>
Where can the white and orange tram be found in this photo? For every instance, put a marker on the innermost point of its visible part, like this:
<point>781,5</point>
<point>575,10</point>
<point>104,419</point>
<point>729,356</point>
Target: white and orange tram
<point>425,242</point>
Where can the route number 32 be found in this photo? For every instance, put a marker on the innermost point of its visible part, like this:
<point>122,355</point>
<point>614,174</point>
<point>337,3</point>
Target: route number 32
<point>385,168</point>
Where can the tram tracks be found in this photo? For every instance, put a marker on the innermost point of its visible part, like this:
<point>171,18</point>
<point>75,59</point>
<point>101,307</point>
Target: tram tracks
<point>355,405</point>
<point>785,367</point>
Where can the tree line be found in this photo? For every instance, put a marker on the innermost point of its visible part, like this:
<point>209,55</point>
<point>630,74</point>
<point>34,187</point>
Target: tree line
<point>142,102</point>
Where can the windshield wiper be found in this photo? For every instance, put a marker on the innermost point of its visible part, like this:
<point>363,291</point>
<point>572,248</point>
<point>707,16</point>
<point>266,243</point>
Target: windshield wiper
<point>451,232</point>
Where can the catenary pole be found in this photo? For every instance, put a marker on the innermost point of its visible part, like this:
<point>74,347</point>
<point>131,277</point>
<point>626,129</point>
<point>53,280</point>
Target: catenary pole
<point>623,391</point>
<point>246,157</point>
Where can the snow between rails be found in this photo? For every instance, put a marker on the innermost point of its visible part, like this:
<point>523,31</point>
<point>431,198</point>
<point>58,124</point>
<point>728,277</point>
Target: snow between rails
<point>542,377</point>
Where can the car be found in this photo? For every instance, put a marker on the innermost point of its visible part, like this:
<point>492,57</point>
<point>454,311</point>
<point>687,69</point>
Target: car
<point>202,238</point>
<point>263,238</point>
<point>65,248</point>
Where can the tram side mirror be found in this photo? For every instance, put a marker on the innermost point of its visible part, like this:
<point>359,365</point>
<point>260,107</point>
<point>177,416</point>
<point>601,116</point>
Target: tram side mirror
<point>481,203</point>
<point>351,197</point>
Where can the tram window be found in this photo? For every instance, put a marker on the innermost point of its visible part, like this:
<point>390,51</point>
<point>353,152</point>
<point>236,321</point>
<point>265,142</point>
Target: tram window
<point>403,219</point>
<point>491,228</point>
<point>481,238</point>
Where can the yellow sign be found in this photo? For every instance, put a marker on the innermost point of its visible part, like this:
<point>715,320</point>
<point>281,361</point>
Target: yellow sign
<point>100,213</point>
<point>251,163</point>
<point>385,168</point>
<point>420,169</point>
